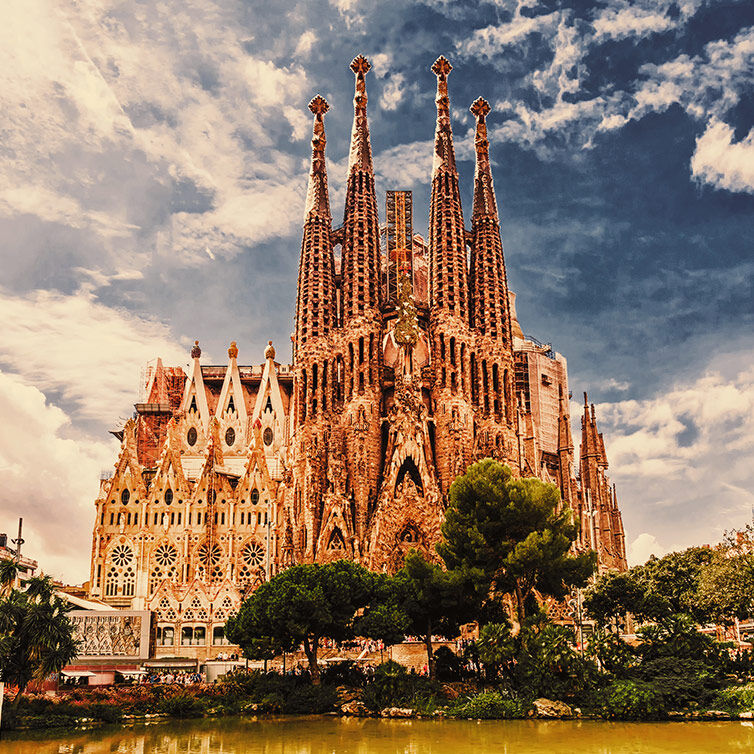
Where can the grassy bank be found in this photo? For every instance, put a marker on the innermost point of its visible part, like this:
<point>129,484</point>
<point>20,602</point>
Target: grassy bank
<point>390,692</point>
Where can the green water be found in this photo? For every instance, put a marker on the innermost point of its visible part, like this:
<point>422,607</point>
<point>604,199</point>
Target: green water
<point>317,735</point>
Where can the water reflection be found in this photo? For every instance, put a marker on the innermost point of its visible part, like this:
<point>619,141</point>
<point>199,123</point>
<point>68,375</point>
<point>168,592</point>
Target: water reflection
<point>318,735</point>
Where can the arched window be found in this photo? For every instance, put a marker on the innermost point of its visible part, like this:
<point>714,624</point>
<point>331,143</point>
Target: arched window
<point>125,496</point>
<point>191,436</point>
<point>254,497</point>
<point>168,496</point>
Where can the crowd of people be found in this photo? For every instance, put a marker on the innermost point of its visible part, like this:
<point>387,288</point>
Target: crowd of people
<point>181,677</point>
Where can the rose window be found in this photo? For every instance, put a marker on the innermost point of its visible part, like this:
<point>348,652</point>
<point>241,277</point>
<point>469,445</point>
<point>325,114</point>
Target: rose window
<point>209,555</point>
<point>165,555</point>
<point>253,554</point>
<point>122,555</point>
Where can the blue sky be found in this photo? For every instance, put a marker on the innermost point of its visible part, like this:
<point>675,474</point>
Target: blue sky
<point>153,162</point>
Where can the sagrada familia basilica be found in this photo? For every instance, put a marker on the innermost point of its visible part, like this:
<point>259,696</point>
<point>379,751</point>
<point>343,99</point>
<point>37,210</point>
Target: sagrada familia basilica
<point>408,365</point>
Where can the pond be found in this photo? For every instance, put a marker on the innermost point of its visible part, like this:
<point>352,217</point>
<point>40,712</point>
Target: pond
<point>316,735</point>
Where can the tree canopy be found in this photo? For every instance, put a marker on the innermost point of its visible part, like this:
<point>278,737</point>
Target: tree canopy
<point>512,535</point>
<point>433,600</point>
<point>36,634</point>
<point>708,585</point>
<point>307,602</point>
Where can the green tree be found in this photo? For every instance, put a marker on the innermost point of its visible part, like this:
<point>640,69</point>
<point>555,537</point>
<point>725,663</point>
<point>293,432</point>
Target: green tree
<point>661,588</point>
<point>434,601</point>
<point>513,535</point>
<point>36,634</point>
<point>304,604</point>
<point>726,585</point>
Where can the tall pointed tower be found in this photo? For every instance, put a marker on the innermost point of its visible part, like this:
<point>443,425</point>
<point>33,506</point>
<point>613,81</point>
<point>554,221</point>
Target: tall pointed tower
<point>450,335</point>
<point>492,366</point>
<point>360,343</point>
<point>603,519</point>
<point>313,363</point>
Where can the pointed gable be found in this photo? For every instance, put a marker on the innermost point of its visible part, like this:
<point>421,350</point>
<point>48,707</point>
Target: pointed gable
<point>195,394</point>
<point>232,398</point>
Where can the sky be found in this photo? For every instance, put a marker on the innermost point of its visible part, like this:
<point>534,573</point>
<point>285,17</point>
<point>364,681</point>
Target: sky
<point>153,165</point>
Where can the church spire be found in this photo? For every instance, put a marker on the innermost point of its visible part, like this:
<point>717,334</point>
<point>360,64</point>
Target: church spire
<point>565,439</point>
<point>447,236</point>
<point>361,232</point>
<point>315,310</point>
<point>488,282</point>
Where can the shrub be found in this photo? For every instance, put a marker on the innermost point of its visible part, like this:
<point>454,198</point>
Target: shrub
<point>633,700</point>
<point>447,664</point>
<point>489,705</point>
<point>108,713</point>
<point>735,698</point>
<point>310,699</point>
<point>393,686</point>
<point>182,704</point>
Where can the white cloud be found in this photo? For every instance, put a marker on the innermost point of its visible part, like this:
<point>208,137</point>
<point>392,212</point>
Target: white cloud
<point>127,122</point>
<point>80,349</point>
<point>405,165</point>
<point>682,458</point>
<point>305,43</point>
<point>722,162</point>
<point>545,116</point>
<point>393,92</point>
<point>49,479</point>
<point>487,43</point>
<point>643,547</point>
<point>629,21</point>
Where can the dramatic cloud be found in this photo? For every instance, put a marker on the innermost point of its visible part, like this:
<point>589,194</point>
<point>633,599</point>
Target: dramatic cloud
<point>153,163</point>
<point>682,459</point>
<point>48,479</point>
<point>89,354</point>
<point>721,161</point>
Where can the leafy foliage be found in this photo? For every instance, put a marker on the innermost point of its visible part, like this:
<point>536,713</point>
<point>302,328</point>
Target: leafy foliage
<point>433,600</point>
<point>509,535</point>
<point>489,705</point>
<point>735,698</point>
<point>305,603</point>
<point>633,700</point>
<point>393,686</point>
<point>36,635</point>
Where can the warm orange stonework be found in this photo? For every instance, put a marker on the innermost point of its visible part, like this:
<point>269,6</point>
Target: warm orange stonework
<point>232,472</point>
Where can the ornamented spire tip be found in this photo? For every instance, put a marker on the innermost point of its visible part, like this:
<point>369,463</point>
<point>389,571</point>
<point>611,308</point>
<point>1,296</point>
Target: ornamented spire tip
<point>319,105</point>
<point>233,350</point>
<point>480,107</point>
<point>360,65</point>
<point>196,352</point>
<point>269,352</point>
<point>441,66</point>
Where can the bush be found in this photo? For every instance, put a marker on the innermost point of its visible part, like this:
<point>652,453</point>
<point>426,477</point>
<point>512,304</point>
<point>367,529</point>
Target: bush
<point>448,665</point>
<point>310,699</point>
<point>735,698</point>
<point>489,705</point>
<point>393,686</point>
<point>633,700</point>
<point>108,713</point>
<point>182,704</point>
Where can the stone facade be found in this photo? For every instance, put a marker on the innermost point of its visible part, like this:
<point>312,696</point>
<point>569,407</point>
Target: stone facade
<point>230,473</point>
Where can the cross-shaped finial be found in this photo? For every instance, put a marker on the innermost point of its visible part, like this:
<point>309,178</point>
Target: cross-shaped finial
<point>441,66</point>
<point>360,65</point>
<point>480,107</point>
<point>319,105</point>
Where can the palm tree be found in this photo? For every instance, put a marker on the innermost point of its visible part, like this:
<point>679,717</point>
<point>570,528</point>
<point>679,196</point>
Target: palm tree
<point>8,575</point>
<point>36,634</point>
